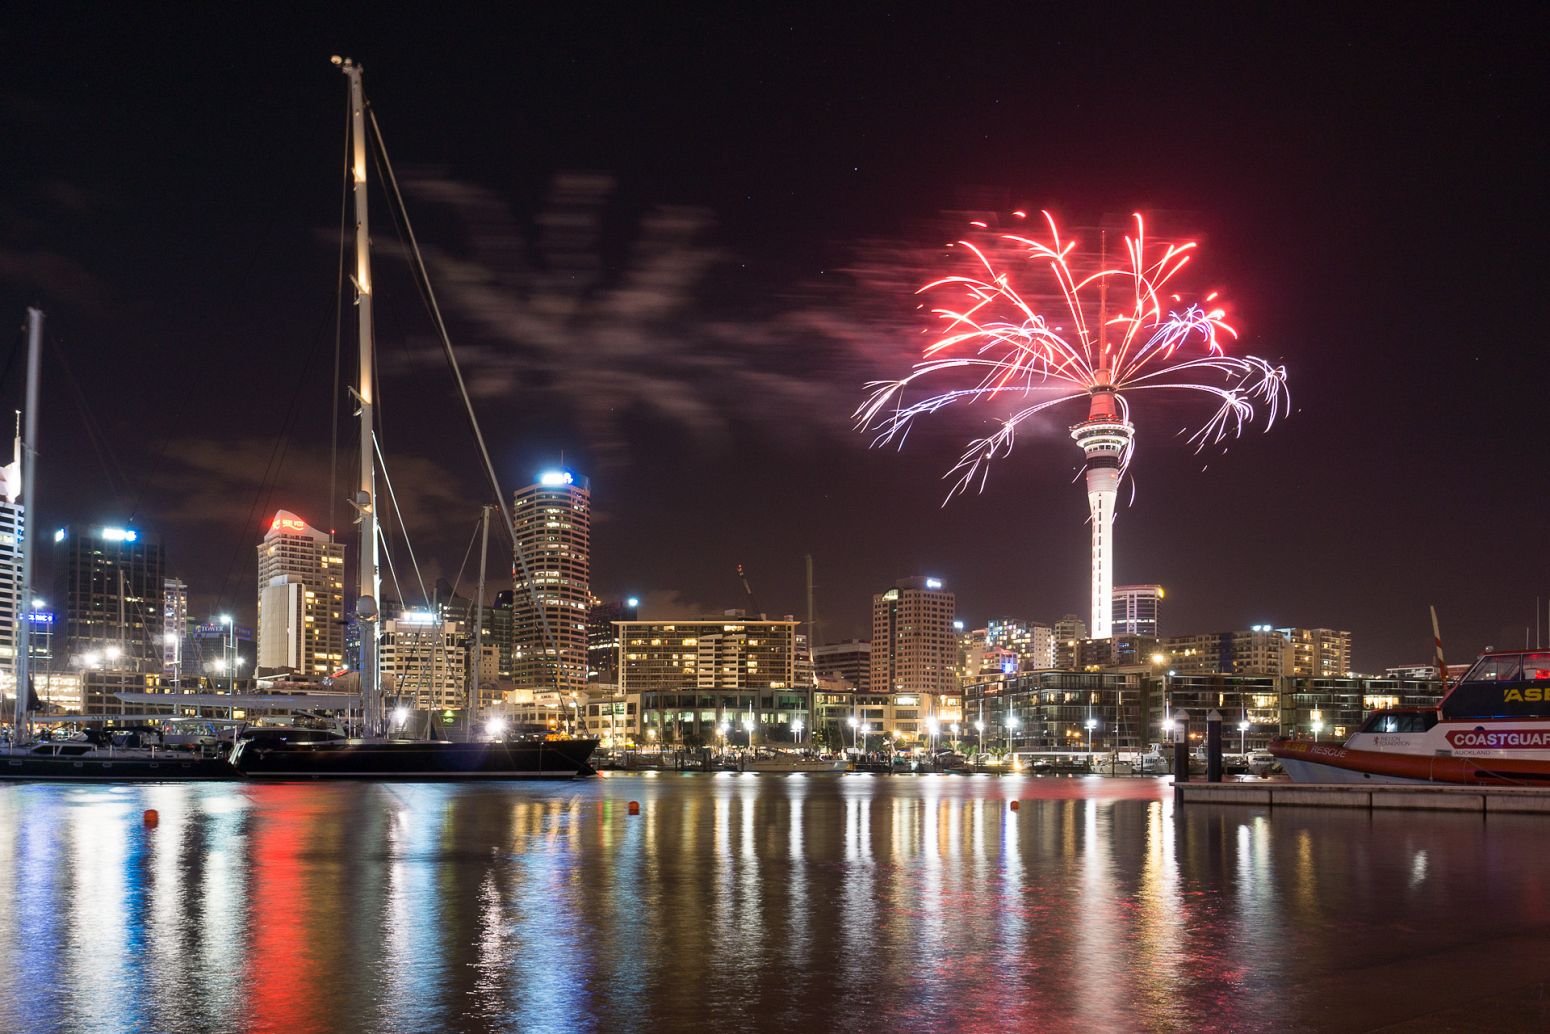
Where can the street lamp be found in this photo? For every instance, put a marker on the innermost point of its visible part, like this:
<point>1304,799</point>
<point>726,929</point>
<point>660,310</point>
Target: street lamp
<point>725,728</point>
<point>796,731</point>
<point>1243,737</point>
<point>1092,723</point>
<point>954,727</point>
<point>932,728</point>
<point>1318,727</point>
<point>855,741</point>
<point>979,727</point>
<point>1011,732</point>
<point>748,729</point>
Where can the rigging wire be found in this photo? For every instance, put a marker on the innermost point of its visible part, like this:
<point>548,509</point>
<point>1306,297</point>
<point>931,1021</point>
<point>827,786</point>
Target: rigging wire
<point>403,528</point>
<point>428,296</point>
<point>94,432</point>
<point>466,554</point>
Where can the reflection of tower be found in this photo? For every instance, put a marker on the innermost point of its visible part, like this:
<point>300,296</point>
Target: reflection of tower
<point>1105,437</point>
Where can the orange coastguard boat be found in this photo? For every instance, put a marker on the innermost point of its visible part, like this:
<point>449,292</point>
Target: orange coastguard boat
<point>1493,727</point>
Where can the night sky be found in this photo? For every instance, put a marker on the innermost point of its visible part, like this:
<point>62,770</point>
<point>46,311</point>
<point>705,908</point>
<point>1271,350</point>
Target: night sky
<point>673,247</point>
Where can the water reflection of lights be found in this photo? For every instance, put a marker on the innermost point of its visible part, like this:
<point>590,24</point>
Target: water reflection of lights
<point>756,904</point>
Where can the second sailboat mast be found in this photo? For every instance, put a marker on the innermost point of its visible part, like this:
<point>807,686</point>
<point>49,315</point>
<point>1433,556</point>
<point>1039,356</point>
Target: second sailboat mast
<point>366,495</point>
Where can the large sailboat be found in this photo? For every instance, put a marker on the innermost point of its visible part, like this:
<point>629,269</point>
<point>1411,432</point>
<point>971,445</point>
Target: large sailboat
<point>286,753</point>
<point>1492,727</point>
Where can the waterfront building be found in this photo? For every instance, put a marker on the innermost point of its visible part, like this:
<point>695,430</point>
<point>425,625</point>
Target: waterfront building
<point>300,599</point>
<point>611,715</point>
<point>552,528</point>
<point>550,708</point>
<point>1136,609</point>
<point>603,637</point>
<point>850,659</point>
<point>1131,709</point>
<point>424,661</point>
<point>1262,650</point>
<point>108,597</point>
<point>834,704</point>
<point>692,676</point>
<point>1118,651</point>
<point>1049,711</point>
<point>1319,652</point>
<point>914,648</point>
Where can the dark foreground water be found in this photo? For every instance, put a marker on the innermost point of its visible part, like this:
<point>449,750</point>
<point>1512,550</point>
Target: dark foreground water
<point>759,903</point>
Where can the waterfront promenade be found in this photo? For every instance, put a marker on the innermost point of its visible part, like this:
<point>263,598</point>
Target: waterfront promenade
<point>747,902</point>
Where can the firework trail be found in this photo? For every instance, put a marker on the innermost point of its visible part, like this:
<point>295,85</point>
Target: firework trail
<point>1000,344</point>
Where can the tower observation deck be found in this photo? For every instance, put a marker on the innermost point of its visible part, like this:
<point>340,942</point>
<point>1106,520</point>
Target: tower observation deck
<point>1105,438</point>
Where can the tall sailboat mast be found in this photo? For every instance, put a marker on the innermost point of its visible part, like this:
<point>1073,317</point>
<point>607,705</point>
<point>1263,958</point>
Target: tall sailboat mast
<point>27,456</point>
<point>367,576</point>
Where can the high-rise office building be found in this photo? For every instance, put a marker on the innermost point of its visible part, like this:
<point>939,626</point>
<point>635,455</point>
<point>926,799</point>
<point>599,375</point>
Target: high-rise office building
<point>1032,643</point>
<point>914,646</point>
<point>850,659</point>
<point>174,624</point>
<point>12,527</point>
<point>552,528</point>
<point>424,660</point>
<point>603,637</point>
<point>499,619</point>
<point>108,597</point>
<point>1136,609</point>
<point>1070,630</point>
<point>300,599</point>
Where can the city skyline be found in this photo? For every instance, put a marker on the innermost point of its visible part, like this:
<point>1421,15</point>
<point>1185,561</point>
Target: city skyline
<point>810,259</point>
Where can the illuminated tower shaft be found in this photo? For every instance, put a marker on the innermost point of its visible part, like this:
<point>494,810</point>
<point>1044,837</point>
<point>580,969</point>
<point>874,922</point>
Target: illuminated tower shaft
<point>1104,437</point>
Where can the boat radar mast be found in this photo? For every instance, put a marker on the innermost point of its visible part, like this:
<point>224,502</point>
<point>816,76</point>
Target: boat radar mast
<point>365,502</point>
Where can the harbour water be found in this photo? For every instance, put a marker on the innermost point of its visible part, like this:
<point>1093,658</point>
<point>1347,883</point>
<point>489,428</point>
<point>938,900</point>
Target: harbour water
<point>759,903</point>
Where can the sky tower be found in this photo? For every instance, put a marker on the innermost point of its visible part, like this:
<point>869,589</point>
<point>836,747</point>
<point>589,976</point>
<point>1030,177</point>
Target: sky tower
<point>1105,437</point>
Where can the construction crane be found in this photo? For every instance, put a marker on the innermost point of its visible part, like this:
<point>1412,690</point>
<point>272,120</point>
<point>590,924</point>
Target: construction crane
<point>753,604</point>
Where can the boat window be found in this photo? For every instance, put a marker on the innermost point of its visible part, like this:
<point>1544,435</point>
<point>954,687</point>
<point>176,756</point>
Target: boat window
<point>1536,666</point>
<point>1398,722</point>
<point>1495,668</point>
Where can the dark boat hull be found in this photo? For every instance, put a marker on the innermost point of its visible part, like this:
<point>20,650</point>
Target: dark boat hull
<point>415,761</point>
<point>31,768</point>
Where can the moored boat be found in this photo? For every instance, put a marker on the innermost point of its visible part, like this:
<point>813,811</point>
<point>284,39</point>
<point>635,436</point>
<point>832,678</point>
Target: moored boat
<point>289,754</point>
<point>116,756</point>
<point>1492,727</point>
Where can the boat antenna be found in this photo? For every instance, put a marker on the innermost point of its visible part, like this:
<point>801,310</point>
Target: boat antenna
<point>365,502</point>
<point>1442,665</point>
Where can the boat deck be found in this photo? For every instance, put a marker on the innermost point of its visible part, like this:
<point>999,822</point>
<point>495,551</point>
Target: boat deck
<point>1398,796</point>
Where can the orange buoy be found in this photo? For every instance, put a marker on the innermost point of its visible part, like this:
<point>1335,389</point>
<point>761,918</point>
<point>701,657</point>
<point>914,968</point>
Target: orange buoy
<point>152,818</point>
<point>635,807</point>
<point>1015,805</point>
